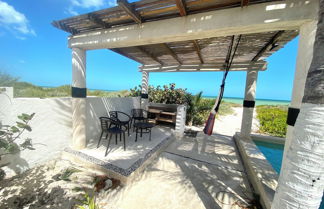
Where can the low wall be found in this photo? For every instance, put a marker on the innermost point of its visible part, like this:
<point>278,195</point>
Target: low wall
<point>262,176</point>
<point>52,124</point>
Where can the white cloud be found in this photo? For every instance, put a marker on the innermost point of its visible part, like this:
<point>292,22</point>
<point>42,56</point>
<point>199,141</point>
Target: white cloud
<point>88,4</point>
<point>14,21</point>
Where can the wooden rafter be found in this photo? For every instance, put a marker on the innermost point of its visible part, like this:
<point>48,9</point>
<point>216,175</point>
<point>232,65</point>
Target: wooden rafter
<point>64,27</point>
<point>126,55</point>
<point>127,7</point>
<point>268,45</point>
<point>147,53</point>
<point>229,52</point>
<point>197,48</point>
<point>181,7</point>
<point>93,18</point>
<point>171,52</point>
<point>245,3</point>
<point>237,66</point>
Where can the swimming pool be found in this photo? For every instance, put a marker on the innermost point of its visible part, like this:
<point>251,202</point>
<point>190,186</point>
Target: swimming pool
<point>274,152</point>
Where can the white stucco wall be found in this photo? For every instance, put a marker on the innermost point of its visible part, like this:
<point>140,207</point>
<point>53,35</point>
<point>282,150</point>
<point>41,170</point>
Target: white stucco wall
<point>51,129</point>
<point>52,124</point>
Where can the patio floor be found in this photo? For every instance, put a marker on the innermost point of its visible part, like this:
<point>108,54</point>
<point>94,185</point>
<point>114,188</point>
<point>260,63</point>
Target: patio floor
<point>121,161</point>
<point>201,172</point>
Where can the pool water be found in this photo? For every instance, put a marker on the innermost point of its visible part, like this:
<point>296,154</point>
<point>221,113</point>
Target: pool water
<point>274,152</point>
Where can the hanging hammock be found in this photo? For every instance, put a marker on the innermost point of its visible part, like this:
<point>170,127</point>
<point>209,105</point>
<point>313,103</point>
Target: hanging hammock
<point>228,62</point>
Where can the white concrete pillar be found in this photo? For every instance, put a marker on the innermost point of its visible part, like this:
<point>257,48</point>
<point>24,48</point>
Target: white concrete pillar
<point>79,94</point>
<point>145,85</point>
<point>304,58</point>
<point>249,103</point>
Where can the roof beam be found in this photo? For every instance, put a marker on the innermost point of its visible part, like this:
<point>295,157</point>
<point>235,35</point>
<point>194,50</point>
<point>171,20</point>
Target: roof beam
<point>268,45</point>
<point>238,66</point>
<point>127,7</point>
<point>147,53</point>
<point>64,27</point>
<point>126,55</point>
<point>93,18</point>
<point>171,52</point>
<point>256,18</point>
<point>245,3</point>
<point>197,48</point>
<point>181,7</point>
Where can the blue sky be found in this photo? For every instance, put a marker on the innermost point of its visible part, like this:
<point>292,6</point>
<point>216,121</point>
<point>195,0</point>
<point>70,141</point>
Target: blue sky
<point>35,51</point>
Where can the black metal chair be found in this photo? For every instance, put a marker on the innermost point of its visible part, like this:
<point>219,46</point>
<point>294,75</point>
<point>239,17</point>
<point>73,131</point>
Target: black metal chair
<point>111,126</point>
<point>123,118</point>
<point>140,115</point>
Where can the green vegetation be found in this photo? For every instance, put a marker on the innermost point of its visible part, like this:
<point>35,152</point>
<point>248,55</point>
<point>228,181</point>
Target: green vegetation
<point>24,89</point>
<point>10,134</point>
<point>272,119</point>
<point>198,108</point>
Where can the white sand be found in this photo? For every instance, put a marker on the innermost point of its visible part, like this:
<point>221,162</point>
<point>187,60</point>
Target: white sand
<point>229,124</point>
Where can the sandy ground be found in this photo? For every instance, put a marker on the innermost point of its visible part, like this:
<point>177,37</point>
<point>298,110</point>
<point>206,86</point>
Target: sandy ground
<point>201,172</point>
<point>230,124</point>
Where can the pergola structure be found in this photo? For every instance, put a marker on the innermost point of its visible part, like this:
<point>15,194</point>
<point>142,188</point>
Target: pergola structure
<point>190,36</point>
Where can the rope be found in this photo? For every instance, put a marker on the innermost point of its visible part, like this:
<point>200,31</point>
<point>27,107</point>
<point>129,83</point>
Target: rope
<point>228,66</point>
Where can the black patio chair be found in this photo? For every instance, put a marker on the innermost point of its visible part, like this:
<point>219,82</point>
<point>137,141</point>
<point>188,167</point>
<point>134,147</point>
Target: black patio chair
<point>140,115</point>
<point>111,126</point>
<point>123,118</point>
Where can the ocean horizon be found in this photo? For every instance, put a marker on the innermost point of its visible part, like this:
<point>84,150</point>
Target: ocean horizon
<point>236,100</point>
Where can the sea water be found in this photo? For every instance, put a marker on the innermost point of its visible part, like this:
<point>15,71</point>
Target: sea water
<point>274,153</point>
<point>257,101</point>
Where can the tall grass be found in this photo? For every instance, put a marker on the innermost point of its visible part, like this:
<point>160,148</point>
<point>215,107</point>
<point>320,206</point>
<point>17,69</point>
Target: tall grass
<point>25,89</point>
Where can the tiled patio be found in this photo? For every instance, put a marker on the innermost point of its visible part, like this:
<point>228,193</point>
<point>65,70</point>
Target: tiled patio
<point>125,162</point>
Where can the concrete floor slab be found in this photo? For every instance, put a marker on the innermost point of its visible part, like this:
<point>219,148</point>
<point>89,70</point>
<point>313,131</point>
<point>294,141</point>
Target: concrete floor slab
<point>186,181</point>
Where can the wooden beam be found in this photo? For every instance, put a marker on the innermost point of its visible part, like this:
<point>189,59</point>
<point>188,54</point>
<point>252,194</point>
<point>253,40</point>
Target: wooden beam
<point>126,55</point>
<point>229,52</point>
<point>197,48</point>
<point>144,51</point>
<point>127,7</point>
<point>64,27</point>
<point>171,52</point>
<point>94,19</point>
<point>268,45</point>
<point>238,66</point>
<point>245,3</point>
<point>181,7</point>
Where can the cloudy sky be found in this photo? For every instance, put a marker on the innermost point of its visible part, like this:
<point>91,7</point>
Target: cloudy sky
<point>32,49</point>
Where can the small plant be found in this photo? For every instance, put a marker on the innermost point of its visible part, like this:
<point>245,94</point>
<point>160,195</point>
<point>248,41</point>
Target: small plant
<point>65,176</point>
<point>9,135</point>
<point>89,202</point>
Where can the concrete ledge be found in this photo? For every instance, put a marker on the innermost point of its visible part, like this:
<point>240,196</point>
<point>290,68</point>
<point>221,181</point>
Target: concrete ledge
<point>262,176</point>
<point>269,139</point>
<point>124,175</point>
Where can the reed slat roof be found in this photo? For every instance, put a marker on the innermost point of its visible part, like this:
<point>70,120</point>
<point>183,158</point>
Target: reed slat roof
<point>252,47</point>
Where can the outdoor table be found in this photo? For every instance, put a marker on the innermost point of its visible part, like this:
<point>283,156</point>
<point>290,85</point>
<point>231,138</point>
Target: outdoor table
<point>143,125</point>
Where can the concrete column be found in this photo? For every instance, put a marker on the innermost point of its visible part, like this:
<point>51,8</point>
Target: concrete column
<point>79,94</point>
<point>249,103</point>
<point>145,85</point>
<point>307,34</point>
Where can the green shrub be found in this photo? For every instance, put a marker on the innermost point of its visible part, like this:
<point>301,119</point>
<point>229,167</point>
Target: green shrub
<point>272,120</point>
<point>198,108</point>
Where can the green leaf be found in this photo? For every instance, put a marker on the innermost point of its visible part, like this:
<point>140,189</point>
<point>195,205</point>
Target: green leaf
<point>12,148</point>
<point>14,129</point>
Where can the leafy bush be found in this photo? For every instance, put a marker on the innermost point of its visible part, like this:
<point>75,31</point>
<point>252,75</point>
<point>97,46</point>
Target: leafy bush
<point>272,119</point>
<point>166,95</point>
<point>198,108</point>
